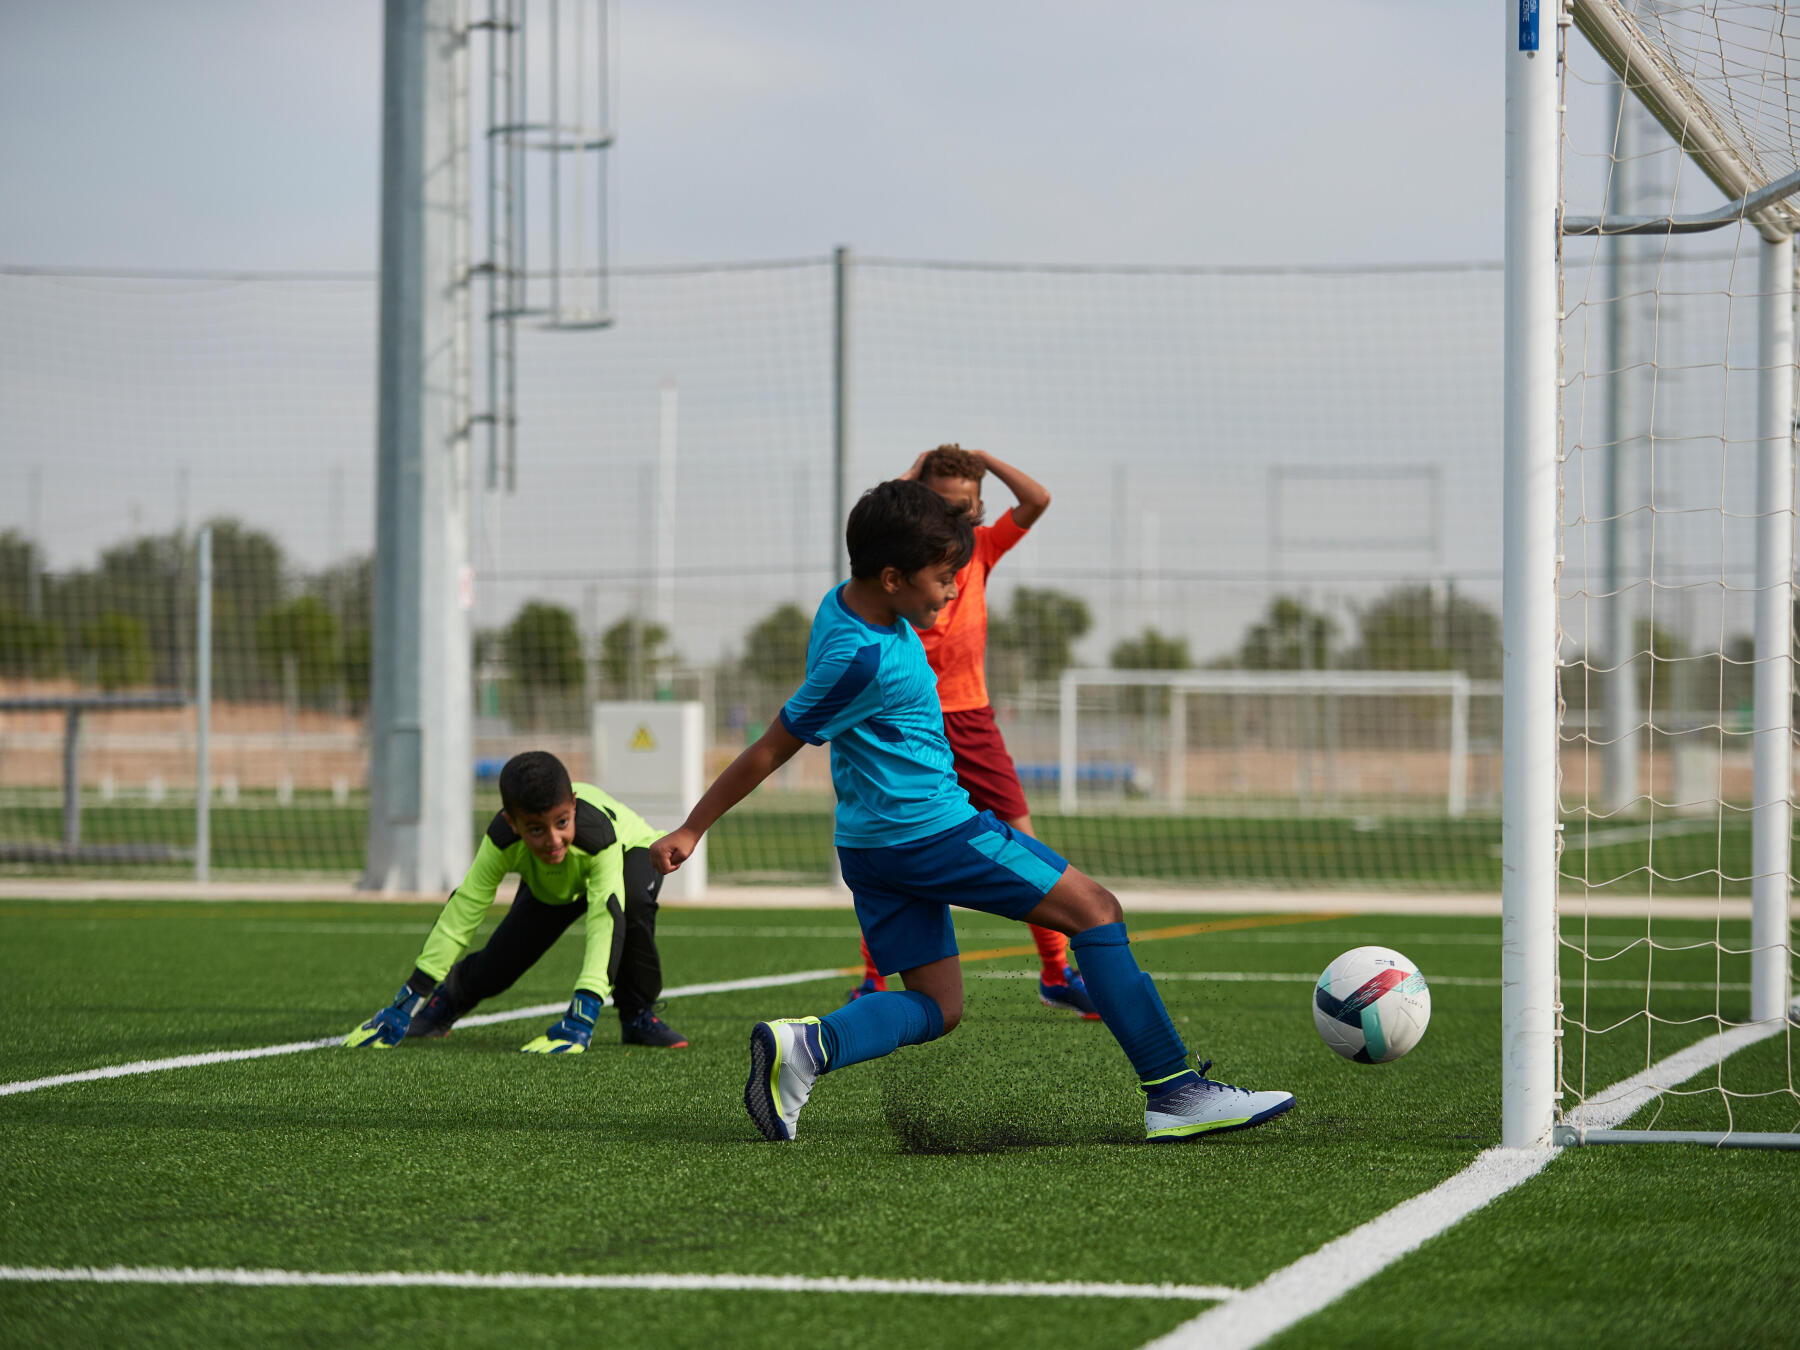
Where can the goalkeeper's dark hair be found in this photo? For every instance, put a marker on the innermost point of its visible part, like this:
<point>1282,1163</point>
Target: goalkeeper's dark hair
<point>952,461</point>
<point>534,781</point>
<point>904,524</point>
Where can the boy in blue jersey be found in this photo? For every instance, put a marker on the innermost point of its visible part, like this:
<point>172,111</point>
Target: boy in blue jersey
<point>911,845</point>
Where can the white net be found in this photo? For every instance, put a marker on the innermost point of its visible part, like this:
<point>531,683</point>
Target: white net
<point>1668,516</point>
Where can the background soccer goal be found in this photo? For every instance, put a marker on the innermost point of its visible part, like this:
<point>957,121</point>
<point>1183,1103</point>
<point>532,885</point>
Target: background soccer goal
<point>1672,624</point>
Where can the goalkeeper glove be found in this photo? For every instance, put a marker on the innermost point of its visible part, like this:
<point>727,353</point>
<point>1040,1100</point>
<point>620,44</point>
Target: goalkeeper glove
<point>387,1028</point>
<point>571,1035</point>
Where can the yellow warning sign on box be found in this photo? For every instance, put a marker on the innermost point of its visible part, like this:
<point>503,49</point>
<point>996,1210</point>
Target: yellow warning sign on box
<point>641,739</point>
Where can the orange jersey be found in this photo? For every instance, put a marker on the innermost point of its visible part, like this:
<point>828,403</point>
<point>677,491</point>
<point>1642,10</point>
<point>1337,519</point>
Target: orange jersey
<point>956,645</point>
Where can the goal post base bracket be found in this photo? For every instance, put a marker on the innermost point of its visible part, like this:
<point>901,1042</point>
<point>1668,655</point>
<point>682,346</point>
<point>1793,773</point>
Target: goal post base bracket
<point>1568,1136</point>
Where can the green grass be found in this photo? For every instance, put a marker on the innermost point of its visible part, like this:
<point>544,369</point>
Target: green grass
<point>1011,1150</point>
<point>778,841</point>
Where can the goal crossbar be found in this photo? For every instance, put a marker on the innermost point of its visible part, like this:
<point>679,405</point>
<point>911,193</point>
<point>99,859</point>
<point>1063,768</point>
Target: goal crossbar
<point>1671,98</point>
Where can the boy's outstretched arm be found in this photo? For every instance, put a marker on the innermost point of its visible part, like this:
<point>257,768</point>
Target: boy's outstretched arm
<point>774,748</point>
<point>1033,497</point>
<point>571,1034</point>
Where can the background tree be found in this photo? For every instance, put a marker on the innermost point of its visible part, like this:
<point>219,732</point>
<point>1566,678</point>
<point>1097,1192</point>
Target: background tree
<point>29,648</point>
<point>347,590</point>
<point>305,632</point>
<point>541,649</point>
<point>775,647</point>
<point>20,560</point>
<point>1288,637</point>
<point>249,571</point>
<point>116,649</point>
<point>1038,633</point>
<point>1413,627</point>
<point>634,655</point>
<point>1149,650</point>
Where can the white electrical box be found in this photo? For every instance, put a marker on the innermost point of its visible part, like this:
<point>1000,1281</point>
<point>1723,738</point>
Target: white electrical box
<point>652,757</point>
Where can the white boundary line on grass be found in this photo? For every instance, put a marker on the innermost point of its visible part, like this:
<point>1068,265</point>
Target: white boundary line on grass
<point>444,1279</point>
<point>295,1047</point>
<point>1319,1279</point>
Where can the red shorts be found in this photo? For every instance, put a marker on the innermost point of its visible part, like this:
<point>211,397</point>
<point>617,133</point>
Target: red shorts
<point>983,766</point>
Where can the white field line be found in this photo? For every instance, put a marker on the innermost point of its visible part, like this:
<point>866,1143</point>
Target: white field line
<point>1319,1279</point>
<point>443,1279</point>
<point>1612,1106</point>
<point>295,1047</point>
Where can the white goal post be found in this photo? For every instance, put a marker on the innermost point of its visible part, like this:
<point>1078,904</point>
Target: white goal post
<point>1715,77</point>
<point>1179,684</point>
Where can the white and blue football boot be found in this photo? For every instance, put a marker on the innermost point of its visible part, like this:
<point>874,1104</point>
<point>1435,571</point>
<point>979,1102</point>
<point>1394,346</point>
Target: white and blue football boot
<point>1205,1106</point>
<point>786,1059</point>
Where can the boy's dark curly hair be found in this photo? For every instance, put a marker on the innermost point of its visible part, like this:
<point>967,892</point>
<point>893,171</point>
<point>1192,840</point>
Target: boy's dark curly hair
<point>904,524</point>
<point>534,781</point>
<point>952,461</point>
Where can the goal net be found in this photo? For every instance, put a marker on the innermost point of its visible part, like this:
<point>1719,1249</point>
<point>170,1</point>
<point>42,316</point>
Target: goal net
<point>1675,596</point>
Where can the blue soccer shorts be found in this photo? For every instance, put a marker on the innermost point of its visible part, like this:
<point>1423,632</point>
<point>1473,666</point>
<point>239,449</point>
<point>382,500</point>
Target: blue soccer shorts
<point>903,894</point>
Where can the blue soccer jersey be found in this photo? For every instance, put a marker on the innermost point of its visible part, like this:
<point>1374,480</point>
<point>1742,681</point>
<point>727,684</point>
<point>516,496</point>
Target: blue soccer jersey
<point>870,691</point>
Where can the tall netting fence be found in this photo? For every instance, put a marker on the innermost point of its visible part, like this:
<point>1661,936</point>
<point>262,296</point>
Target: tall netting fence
<point>1285,476</point>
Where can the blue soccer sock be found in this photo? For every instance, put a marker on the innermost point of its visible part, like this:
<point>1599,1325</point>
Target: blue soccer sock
<point>1128,1003</point>
<point>879,1024</point>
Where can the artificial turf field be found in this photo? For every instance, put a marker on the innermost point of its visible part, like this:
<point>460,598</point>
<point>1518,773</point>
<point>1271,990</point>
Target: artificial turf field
<point>1011,1151</point>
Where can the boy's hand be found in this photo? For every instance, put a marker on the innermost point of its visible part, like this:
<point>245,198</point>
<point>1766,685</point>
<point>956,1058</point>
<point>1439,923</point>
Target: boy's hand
<point>387,1028</point>
<point>571,1035</point>
<point>912,474</point>
<point>673,849</point>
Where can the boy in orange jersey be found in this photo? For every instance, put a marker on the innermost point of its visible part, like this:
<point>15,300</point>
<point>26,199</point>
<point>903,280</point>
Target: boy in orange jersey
<point>956,646</point>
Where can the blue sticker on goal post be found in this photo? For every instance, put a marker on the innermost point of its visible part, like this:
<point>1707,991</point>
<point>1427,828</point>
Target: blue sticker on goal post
<point>1528,25</point>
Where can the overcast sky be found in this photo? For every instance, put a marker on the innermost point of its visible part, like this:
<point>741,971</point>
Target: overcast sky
<point>219,133</point>
<point>222,134</point>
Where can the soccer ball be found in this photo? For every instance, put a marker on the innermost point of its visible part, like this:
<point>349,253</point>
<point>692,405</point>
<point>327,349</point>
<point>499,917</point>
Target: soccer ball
<point>1371,1005</point>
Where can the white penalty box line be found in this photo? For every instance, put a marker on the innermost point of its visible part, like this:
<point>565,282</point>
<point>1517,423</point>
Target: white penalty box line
<point>1317,1280</point>
<point>440,1279</point>
<point>143,1066</point>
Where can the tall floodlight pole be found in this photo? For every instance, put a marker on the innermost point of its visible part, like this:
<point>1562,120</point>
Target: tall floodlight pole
<point>1771,823</point>
<point>840,412</point>
<point>1618,782</point>
<point>420,766</point>
<point>1528,810</point>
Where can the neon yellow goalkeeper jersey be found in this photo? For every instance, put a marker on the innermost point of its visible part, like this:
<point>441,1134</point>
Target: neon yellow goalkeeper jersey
<point>593,869</point>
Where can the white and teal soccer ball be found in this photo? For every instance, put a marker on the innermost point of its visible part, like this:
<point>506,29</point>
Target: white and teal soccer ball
<point>1371,1005</point>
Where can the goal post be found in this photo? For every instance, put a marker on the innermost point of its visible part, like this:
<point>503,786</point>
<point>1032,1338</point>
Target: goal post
<point>1179,686</point>
<point>1649,399</point>
<point>1528,816</point>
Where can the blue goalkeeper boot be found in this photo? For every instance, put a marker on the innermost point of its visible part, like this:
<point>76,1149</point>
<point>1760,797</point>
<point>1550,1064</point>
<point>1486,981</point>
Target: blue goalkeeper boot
<point>644,1027</point>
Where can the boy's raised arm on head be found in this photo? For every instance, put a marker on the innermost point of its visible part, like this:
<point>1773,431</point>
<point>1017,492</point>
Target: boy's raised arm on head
<point>1032,496</point>
<point>773,748</point>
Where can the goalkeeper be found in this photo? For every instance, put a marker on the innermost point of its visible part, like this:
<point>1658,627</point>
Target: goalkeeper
<point>577,851</point>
